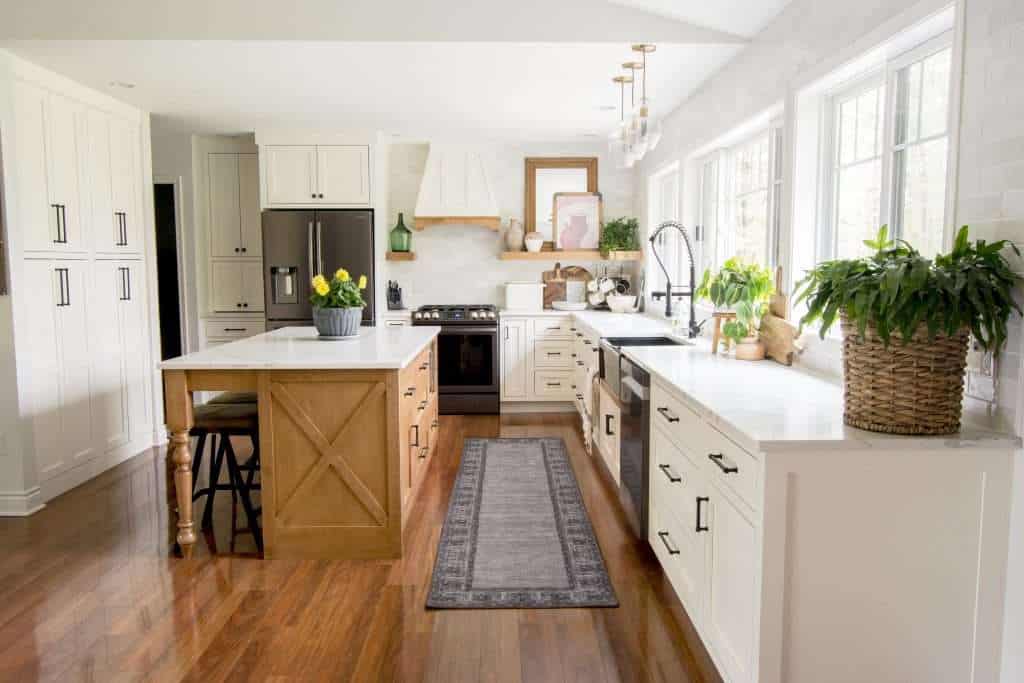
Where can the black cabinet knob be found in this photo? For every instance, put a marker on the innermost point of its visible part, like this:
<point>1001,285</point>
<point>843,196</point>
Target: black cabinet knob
<point>236,250</point>
<point>239,305</point>
<point>243,250</point>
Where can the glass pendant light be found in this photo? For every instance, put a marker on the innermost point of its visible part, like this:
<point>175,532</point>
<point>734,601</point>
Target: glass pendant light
<point>619,140</point>
<point>642,116</point>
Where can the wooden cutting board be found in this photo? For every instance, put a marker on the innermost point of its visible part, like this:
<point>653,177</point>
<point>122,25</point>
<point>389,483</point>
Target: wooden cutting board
<point>554,281</point>
<point>779,337</point>
<point>778,305</point>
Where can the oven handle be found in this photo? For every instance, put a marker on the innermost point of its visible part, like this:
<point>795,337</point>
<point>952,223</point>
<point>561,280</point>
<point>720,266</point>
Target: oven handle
<point>472,330</point>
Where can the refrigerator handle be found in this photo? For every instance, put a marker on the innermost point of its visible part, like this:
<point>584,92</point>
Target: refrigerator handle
<point>312,259</point>
<point>319,249</point>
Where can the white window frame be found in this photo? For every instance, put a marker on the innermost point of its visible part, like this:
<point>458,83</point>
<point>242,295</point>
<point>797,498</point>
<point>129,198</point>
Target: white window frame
<point>671,258</point>
<point>886,77</point>
<point>717,242</point>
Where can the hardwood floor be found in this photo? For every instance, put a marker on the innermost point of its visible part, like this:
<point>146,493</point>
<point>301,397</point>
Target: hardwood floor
<point>89,592</point>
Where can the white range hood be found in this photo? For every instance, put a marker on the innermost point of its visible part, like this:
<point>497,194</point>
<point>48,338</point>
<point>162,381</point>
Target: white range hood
<point>455,189</point>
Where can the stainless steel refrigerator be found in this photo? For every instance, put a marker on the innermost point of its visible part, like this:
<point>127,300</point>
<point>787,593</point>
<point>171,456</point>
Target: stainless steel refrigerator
<point>298,244</point>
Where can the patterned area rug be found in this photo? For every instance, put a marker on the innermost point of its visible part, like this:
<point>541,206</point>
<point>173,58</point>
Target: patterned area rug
<point>517,534</point>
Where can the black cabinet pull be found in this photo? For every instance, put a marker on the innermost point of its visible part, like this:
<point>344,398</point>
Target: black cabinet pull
<point>435,424</point>
<point>126,293</point>
<point>554,384</point>
<point>417,441</point>
<point>700,501</point>
<point>423,453</point>
<point>719,460</point>
<point>579,362</point>
<point>121,218</point>
<point>410,391</point>
<point>579,397</point>
<point>674,478</point>
<point>234,329</point>
<point>62,224</point>
<point>62,285</point>
<point>422,405</point>
<point>554,353</point>
<point>608,425</point>
<point>667,414</point>
<point>663,535</point>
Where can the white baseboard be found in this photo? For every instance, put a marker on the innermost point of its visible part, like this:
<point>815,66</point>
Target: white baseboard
<point>21,503</point>
<point>76,476</point>
<point>538,407</point>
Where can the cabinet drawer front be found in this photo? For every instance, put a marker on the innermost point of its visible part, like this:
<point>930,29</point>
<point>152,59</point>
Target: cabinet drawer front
<point>674,478</point>
<point>552,354</point>
<point>553,385</point>
<point>721,459</point>
<point>219,329</point>
<point>553,328</point>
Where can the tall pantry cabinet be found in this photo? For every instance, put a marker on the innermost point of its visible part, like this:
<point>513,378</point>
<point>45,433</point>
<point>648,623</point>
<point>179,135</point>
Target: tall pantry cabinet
<point>79,289</point>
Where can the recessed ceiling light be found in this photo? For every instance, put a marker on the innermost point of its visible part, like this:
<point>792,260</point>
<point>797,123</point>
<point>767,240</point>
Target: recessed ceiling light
<point>122,84</point>
<point>590,135</point>
<point>607,107</point>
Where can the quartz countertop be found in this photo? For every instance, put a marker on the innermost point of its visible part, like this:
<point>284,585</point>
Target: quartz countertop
<point>772,407</point>
<point>299,348</point>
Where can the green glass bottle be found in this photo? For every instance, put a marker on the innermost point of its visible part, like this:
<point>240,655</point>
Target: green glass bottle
<point>401,236</point>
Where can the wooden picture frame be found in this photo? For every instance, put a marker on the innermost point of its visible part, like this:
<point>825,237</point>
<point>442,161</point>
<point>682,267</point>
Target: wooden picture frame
<point>534,164</point>
<point>586,205</point>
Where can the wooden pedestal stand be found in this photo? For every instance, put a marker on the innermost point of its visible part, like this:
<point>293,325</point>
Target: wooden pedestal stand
<point>717,334</point>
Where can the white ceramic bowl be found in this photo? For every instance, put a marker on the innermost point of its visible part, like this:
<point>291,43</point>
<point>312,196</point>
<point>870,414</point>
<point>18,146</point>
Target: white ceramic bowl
<point>534,245</point>
<point>621,304</point>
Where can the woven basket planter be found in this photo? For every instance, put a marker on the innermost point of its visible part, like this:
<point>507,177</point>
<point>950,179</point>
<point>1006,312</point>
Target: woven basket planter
<point>913,388</point>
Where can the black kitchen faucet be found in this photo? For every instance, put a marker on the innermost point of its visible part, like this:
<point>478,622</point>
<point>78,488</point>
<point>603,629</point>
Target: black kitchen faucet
<point>694,327</point>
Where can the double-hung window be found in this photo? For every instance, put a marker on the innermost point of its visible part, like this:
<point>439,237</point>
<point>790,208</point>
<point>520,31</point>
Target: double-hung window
<point>889,139</point>
<point>663,203</point>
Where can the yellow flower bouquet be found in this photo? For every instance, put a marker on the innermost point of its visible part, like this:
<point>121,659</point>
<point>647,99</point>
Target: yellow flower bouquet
<point>338,304</point>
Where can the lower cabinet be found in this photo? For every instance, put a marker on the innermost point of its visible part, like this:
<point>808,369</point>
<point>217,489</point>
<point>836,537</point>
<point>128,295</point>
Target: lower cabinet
<point>606,430</point>
<point>514,362</point>
<point>56,295</point>
<point>236,286</point>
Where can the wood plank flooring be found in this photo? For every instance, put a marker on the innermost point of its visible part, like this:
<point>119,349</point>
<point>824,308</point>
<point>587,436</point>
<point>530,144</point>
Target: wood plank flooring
<point>89,592</point>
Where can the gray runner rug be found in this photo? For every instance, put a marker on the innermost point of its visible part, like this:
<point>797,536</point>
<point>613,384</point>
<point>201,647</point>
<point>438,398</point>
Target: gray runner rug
<point>517,533</point>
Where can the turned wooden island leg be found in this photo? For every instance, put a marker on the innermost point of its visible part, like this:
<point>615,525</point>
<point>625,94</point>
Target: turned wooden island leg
<point>178,400</point>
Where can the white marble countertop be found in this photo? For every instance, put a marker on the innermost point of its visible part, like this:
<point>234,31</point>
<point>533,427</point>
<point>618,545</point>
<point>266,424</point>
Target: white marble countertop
<point>299,348</point>
<point>768,406</point>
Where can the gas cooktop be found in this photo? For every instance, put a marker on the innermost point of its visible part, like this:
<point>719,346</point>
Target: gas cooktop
<point>483,314</point>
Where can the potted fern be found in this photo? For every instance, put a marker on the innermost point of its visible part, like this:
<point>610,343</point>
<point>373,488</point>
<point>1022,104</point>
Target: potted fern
<point>338,305</point>
<point>742,289</point>
<point>906,320</point>
<point>621,234</point>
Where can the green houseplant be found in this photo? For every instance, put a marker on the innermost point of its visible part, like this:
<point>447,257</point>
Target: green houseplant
<point>905,321</point>
<point>743,288</point>
<point>621,234</point>
<point>338,304</point>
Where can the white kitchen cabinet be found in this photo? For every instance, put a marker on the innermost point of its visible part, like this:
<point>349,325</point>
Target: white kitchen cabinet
<point>732,584</point>
<point>110,405</point>
<point>125,182</point>
<point>317,175</point>
<point>225,209</point>
<point>234,205</point>
<point>236,286</point>
<point>514,362</point>
<point>249,215</point>
<point>104,225</point>
<point>290,174</point>
<point>48,132</point>
<point>57,293</point>
<point>343,174</point>
<point>606,428</point>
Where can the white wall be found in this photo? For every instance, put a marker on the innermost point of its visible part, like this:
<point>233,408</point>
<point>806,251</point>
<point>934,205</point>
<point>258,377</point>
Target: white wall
<point>991,201</point>
<point>459,264</point>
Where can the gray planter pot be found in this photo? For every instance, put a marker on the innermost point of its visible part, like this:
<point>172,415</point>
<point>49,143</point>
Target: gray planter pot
<point>337,322</point>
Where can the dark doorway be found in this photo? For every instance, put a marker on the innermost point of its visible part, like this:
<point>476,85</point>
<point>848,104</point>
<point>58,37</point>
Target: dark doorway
<point>167,271</point>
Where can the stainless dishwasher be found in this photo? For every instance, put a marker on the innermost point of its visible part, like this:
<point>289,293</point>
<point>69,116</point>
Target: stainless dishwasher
<point>634,443</point>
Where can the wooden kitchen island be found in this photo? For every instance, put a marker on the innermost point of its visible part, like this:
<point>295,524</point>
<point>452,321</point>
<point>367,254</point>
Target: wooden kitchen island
<point>346,428</point>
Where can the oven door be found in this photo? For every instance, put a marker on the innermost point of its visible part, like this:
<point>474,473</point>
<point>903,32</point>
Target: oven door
<point>467,360</point>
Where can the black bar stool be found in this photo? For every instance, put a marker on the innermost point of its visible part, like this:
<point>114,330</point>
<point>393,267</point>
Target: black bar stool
<point>219,422</point>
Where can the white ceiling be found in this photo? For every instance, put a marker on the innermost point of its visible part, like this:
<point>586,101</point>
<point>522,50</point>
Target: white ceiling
<point>739,17</point>
<point>531,70</point>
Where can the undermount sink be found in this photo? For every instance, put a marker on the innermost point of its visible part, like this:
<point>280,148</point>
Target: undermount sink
<point>647,341</point>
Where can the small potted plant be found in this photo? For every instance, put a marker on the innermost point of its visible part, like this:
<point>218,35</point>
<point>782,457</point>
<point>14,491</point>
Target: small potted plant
<point>338,305</point>
<point>906,320</point>
<point>621,234</point>
<point>742,289</point>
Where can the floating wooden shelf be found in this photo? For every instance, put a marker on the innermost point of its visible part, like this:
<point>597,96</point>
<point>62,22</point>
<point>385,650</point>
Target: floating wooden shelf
<point>571,255</point>
<point>401,256</point>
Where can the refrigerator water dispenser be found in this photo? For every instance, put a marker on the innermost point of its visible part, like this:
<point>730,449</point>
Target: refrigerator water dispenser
<point>285,288</point>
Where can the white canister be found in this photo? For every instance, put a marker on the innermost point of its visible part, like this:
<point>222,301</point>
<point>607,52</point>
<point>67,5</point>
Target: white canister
<point>524,296</point>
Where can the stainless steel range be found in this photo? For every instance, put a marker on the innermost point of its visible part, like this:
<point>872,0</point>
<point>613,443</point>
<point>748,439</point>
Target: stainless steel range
<point>467,357</point>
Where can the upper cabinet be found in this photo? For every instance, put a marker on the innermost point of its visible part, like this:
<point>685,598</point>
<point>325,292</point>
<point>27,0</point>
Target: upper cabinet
<point>317,175</point>
<point>79,168</point>
<point>234,205</point>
